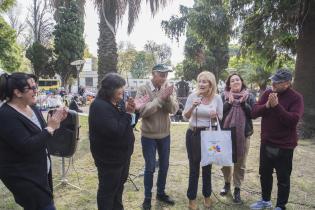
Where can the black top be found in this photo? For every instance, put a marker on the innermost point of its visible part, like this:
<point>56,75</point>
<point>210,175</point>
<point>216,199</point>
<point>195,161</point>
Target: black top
<point>111,133</point>
<point>23,148</point>
<point>246,106</point>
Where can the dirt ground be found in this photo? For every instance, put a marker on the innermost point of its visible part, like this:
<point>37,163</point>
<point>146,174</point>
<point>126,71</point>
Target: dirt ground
<point>82,172</point>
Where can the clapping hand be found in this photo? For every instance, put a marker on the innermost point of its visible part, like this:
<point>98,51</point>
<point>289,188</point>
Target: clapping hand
<point>273,99</point>
<point>141,101</point>
<point>166,92</point>
<point>56,117</point>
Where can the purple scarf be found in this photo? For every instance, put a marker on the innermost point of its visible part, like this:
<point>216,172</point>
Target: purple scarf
<point>236,118</point>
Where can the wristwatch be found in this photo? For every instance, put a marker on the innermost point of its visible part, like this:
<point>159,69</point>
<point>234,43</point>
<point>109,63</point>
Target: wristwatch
<point>50,130</point>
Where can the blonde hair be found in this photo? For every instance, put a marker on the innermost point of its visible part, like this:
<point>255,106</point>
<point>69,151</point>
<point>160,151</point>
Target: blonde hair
<point>211,79</point>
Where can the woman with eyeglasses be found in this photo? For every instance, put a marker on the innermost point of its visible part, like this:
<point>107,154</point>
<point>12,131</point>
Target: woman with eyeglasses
<point>25,166</point>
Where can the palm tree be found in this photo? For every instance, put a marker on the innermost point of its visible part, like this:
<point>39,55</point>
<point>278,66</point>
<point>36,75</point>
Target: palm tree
<point>111,13</point>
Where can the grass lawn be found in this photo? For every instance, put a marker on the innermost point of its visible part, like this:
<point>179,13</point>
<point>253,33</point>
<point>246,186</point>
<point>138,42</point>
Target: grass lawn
<point>82,172</point>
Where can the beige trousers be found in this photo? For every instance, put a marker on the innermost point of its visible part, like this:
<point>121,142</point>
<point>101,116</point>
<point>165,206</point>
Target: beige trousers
<point>238,169</point>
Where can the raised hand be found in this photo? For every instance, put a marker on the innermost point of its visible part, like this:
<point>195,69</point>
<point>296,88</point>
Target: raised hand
<point>140,102</point>
<point>273,99</point>
<point>166,92</point>
<point>58,115</point>
<point>130,105</point>
<point>231,98</point>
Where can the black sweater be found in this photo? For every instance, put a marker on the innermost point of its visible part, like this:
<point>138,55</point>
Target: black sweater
<point>23,153</point>
<point>111,135</point>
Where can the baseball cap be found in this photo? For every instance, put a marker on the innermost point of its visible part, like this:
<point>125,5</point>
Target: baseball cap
<point>162,68</point>
<point>281,75</point>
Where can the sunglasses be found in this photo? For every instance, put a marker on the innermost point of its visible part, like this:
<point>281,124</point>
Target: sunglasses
<point>33,88</point>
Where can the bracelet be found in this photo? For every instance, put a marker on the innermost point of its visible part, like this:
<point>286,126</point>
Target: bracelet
<point>50,130</point>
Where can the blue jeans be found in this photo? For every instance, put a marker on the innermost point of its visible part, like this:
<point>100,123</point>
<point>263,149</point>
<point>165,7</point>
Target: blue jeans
<point>149,148</point>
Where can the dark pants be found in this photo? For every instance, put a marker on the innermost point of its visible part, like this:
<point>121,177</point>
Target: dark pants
<point>29,195</point>
<point>111,186</point>
<point>194,157</point>
<point>280,160</point>
<point>149,147</point>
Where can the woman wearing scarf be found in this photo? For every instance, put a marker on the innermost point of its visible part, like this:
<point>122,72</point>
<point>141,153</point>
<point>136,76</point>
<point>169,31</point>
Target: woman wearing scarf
<point>238,103</point>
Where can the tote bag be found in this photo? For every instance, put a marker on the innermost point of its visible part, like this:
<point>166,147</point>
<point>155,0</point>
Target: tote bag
<point>218,146</point>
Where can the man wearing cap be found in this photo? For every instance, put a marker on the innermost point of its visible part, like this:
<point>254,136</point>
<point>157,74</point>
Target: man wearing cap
<point>280,109</point>
<point>155,131</point>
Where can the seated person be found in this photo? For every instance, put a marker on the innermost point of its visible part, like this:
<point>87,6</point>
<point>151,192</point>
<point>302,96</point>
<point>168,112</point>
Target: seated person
<point>74,104</point>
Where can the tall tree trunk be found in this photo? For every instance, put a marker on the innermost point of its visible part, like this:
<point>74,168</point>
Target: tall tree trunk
<point>107,47</point>
<point>305,71</point>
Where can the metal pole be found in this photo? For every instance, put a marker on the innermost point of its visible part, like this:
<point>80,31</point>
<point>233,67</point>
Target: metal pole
<point>78,77</point>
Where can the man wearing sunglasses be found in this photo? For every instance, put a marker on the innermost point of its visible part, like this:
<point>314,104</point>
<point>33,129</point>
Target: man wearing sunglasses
<point>155,131</point>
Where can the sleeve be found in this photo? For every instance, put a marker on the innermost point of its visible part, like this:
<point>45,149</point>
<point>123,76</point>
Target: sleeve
<point>291,117</point>
<point>171,105</point>
<point>14,132</point>
<point>188,105</point>
<point>105,121</point>
<point>219,108</point>
<point>260,107</point>
<point>151,107</point>
<point>248,105</point>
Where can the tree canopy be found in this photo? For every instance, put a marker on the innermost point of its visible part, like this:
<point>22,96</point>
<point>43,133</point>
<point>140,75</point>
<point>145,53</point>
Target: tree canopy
<point>10,52</point>
<point>69,40</point>
<point>275,30</point>
<point>208,27</point>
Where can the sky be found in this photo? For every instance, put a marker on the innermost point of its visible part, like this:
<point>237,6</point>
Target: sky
<point>146,28</point>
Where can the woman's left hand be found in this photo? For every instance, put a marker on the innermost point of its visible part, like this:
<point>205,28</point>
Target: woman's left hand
<point>213,114</point>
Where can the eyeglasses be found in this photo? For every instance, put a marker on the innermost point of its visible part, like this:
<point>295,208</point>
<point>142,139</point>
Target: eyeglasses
<point>33,88</point>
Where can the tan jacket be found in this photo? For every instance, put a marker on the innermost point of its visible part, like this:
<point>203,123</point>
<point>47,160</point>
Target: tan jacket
<point>155,114</point>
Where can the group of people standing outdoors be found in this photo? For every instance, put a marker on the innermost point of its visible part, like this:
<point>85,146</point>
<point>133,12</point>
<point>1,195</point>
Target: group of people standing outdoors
<point>25,161</point>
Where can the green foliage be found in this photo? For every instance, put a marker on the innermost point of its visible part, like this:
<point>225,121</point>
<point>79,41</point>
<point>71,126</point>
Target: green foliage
<point>179,71</point>
<point>142,65</point>
<point>42,60</point>
<point>10,52</point>
<point>6,4</point>
<point>125,60</point>
<point>208,31</point>
<point>69,40</point>
<point>268,27</point>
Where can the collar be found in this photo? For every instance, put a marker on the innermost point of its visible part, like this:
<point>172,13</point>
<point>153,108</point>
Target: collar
<point>152,88</point>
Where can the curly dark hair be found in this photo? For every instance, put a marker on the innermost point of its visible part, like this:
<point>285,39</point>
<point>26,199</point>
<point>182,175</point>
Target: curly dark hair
<point>110,83</point>
<point>228,80</point>
<point>17,80</point>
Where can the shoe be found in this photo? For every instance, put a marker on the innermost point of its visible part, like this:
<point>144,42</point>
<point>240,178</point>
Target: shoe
<point>192,205</point>
<point>146,205</point>
<point>226,189</point>
<point>207,202</point>
<point>278,208</point>
<point>261,205</point>
<point>237,196</point>
<point>165,198</point>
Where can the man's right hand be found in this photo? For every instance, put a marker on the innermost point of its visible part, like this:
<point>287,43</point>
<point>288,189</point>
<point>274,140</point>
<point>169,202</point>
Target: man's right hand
<point>166,92</point>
